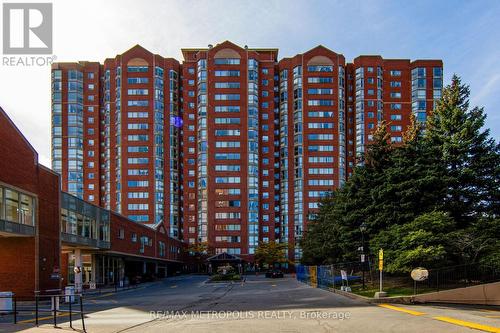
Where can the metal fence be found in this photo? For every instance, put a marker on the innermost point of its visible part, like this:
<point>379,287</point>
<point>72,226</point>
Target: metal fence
<point>365,276</point>
<point>55,305</point>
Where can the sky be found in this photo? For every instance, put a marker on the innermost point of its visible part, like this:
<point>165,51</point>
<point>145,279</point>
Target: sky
<point>464,34</point>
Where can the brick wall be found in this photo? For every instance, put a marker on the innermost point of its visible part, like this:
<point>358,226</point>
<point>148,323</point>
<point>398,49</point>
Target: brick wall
<point>26,263</point>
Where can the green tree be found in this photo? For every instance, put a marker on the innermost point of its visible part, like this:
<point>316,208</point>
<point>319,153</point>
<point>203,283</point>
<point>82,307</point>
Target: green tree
<point>445,175</point>
<point>471,157</point>
<point>271,253</point>
<point>421,242</point>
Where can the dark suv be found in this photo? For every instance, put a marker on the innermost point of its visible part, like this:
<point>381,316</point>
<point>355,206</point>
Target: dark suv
<point>274,273</point>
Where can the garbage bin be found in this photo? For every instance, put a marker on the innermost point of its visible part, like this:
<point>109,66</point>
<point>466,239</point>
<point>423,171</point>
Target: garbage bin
<point>6,301</point>
<point>69,291</point>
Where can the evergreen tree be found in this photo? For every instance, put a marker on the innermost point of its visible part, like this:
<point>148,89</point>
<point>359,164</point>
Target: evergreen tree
<point>471,157</point>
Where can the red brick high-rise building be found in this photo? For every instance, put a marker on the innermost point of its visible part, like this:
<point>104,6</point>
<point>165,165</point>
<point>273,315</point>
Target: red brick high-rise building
<point>232,146</point>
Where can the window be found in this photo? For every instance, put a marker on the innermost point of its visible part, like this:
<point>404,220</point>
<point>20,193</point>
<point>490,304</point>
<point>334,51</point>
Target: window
<point>227,109</point>
<point>395,73</point>
<point>395,84</point>
<point>138,183</point>
<point>138,206</point>
<point>320,68</point>
<point>227,97</point>
<point>320,171</point>
<point>227,85</point>
<point>396,117</point>
<point>121,233</point>
<point>395,95</point>
<point>137,172</point>
<point>320,136</point>
<point>227,132</point>
<point>135,137</point>
<point>137,149</point>
<point>226,180</point>
<point>140,160</point>
<point>137,115</point>
<point>138,195</point>
<point>396,139</point>
<point>227,156</point>
<point>227,144</point>
<point>320,102</point>
<point>138,103</point>
<point>322,114</point>
<point>320,125</point>
<point>320,159</point>
<point>227,61</point>
<point>320,80</point>
<point>11,205</point>
<point>135,69</point>
<point>227,120</point>
<point>227,73</point>
<point>321,91</point>
<point>313,148</point>
<point>137,80</point>
<point>396,128</point>
<point>136,126</point>
<point>395,106</point>
<point>134,92</point>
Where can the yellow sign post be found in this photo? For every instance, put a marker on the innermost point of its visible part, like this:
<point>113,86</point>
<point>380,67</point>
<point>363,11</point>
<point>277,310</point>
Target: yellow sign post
<point>381,265</point>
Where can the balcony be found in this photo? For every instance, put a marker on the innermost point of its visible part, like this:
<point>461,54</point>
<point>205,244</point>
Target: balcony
<point>12,229</point>
<point>80,241</point>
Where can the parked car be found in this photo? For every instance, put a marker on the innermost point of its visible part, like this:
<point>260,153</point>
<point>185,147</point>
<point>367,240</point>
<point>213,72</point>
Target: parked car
<point>274,273</point>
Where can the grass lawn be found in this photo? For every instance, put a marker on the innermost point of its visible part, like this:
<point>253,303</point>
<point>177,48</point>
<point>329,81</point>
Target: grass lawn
<point>391,290</point>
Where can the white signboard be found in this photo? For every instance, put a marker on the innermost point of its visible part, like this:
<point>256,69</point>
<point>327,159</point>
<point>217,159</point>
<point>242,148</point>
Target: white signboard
<point>419,274</point>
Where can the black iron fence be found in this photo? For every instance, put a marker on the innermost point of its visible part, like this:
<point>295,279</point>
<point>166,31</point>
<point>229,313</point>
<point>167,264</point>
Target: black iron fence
<point>38,308</point>
<point>364,277</point>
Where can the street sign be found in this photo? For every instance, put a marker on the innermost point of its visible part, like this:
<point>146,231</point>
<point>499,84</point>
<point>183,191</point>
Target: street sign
<point>380,259</point>
<point>344,274</point>
<point>362,258</point>
<point>419,274</point>
<point>380,265</point>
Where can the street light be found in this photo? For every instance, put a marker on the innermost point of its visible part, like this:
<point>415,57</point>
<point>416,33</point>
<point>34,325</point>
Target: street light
<point>362,228</point>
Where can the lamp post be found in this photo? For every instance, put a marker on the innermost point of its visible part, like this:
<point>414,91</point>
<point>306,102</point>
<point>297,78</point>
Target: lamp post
<point>362,228</point>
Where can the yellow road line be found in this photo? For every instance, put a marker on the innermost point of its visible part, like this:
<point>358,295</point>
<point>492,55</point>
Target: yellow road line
<point>42,318</point>
<point>104,295</point>
<point>397,308</point>
<point>469,324</point>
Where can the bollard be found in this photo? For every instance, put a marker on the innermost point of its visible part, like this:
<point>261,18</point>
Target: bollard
<point>15,310</point>
<point>55,311</point>
<point>70,317</point>
<point>81,313</point>
<point>36,310</point>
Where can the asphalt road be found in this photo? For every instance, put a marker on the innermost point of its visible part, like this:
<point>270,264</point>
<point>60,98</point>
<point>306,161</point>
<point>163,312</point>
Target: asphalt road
<point>189,304</point>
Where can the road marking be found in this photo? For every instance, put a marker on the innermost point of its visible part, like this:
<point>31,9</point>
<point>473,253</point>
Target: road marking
<point>492,316</point>
<point>105,295</point>
<point>42,318</point>
<point>173,287</point>
<point>273,285</point>
<point>469,324</point>
<point>397,308</point>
